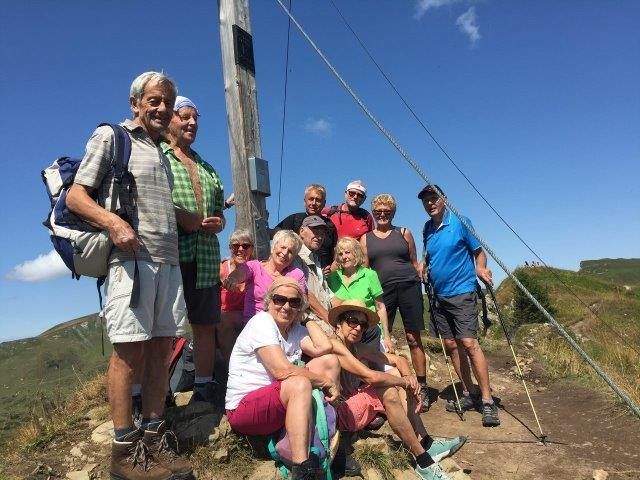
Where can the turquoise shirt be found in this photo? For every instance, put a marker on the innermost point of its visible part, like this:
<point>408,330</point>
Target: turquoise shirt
<point>365,286</point>
<point>451,249</point>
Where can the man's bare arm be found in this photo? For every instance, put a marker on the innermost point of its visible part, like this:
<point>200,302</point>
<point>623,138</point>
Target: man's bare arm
<point>122,235</point>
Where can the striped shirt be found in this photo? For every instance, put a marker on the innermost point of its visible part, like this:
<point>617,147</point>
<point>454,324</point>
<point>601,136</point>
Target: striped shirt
<point>201,247</point>
<point>152,215</point>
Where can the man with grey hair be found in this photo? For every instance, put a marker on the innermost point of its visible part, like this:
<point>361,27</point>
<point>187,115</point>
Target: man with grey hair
<point>315,196</point>
<point>145,305</point>
<point>312,234</point>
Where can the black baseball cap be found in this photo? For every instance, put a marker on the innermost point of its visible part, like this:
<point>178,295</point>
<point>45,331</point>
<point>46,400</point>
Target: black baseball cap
<point>430,189</point>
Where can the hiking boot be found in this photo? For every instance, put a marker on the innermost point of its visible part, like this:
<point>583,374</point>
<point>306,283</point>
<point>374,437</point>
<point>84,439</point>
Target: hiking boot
<point>163,444</point>
<point>441,448</point>
<point>131,460</point>
<point>376,423</point>
<point>425,403</point>
<point>467,402</point>
<point>136,410</point>
<point>490,415</point>
<point>204,392</point>
<point>344,465</point>
<point>307,469</point>
<point>432,472</point>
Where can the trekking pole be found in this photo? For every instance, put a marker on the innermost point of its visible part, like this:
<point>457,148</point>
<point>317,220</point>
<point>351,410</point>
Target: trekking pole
<point>542,436</point>
<point>429,291</point>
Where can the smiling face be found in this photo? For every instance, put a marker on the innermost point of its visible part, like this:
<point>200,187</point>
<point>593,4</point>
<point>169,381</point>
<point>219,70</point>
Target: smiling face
<point>241,251</point>
<point>314,202</point>
<point>345,257</point>
<point>183,127</point>
<point>280,306</point>
<point>282,254</point>
<point>383,214</point>
<point>153,112</point>
<point>351,325</point>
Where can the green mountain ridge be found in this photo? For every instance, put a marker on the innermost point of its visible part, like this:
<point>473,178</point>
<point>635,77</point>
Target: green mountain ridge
<point>53,363</point>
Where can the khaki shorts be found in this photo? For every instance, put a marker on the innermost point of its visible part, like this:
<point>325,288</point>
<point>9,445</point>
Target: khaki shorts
<point>161,310</point>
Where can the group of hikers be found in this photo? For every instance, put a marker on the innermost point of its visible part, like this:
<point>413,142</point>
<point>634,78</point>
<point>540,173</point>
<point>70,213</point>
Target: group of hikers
<point>316,314</point>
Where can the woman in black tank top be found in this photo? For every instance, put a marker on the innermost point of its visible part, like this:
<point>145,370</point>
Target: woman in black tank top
<point>391,252</point>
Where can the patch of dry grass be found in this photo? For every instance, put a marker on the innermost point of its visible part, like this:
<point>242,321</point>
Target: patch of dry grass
<point>620,363</point>
<point>383,460</point>
<point>56,414</point>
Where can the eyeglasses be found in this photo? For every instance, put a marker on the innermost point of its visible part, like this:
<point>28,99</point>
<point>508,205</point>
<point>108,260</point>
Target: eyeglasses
<point>382,212</point>
<point>237,246</point>
<point>280,300</point>
<point>354,321</point>
<point>355,194</point>
<point>430,199</point>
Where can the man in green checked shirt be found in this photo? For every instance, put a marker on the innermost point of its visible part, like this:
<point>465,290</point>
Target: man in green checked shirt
<point>198,200</point>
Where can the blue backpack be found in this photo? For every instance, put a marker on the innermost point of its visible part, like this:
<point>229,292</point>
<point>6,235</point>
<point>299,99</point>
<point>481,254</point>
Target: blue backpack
<point>85,249</point>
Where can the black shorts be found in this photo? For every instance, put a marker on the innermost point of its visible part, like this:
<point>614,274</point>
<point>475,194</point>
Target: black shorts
<point>457,316</point>
<point>407,296</point>
<point>371,336</point>
<point>203,304</point>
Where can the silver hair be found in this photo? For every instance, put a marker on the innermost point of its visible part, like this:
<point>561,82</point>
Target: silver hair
<point>283,236</point>
<point>137,86</point>
<point>275,286</point>
<point>239,235</point>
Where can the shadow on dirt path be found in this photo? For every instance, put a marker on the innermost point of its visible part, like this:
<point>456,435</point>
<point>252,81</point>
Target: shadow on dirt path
<point>586,430</point>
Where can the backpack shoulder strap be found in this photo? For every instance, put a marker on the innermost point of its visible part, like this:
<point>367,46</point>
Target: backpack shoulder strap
<point>332,210</point>
<point>120,160</point>
<point>121,151</point>
<point>323,429</point>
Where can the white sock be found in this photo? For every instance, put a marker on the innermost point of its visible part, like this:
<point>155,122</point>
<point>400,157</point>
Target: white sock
<point>136,389</point>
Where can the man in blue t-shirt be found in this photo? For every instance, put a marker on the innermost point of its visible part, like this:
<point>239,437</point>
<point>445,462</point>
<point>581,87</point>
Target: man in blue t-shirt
<point>454,258</point>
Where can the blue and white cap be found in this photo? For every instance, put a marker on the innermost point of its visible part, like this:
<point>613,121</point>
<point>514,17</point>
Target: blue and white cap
<point>184,102</point>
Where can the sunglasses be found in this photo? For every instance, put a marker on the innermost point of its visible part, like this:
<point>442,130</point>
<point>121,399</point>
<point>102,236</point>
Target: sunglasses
<point>280,300</point>
<point>382,212</point>
<point>355,194</point>
<point>354,321</point>
<point>237,246</point>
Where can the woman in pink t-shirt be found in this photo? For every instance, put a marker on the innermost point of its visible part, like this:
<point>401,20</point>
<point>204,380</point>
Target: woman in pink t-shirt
<point>258,276</point>
<point>232,301</point>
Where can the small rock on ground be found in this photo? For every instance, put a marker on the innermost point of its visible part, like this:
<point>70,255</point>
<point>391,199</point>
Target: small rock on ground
<point>103,434</point>
<point>600,475</point>
<point>78,475</point>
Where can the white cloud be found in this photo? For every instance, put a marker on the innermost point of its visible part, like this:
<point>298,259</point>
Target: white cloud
<point>42,268</point>
<point>319,126</point>
<point>422,6</point>
<point>467,24</point>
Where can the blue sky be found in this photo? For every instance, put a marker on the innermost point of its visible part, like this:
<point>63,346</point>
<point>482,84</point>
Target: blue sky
<point>538,103</point>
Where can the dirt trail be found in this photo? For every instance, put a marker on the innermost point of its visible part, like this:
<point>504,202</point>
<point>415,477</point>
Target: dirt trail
<point>585,429</point>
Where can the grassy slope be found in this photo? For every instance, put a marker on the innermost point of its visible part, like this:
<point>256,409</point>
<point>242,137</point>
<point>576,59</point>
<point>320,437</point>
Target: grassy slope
<point>35,369</point>
<point>622,271</point>
<point>610,336</point>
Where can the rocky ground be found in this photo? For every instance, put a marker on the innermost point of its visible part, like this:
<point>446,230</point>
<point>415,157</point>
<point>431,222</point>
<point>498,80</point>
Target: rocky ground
<point>588,436</point>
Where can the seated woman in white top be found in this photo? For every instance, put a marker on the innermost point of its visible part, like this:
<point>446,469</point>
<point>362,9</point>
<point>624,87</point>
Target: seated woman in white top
<point>265,390</point>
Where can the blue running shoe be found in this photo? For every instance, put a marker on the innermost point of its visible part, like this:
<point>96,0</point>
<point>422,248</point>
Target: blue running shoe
<point>443,447</point>
<point>432,472</point>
